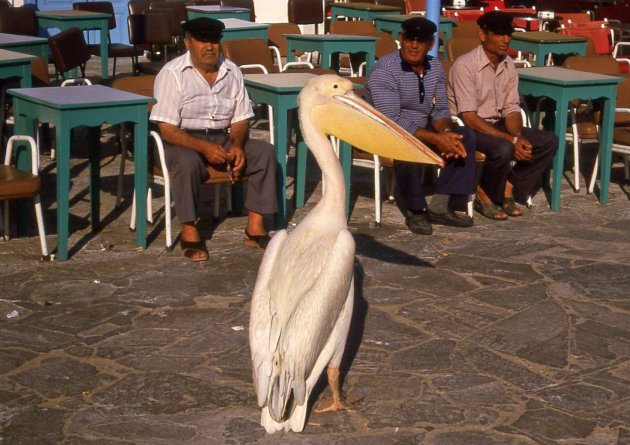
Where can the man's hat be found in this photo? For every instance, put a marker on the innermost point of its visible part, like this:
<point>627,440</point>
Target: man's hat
<point>204,28</point>
<point>419,28</point>
<point>496,22</point>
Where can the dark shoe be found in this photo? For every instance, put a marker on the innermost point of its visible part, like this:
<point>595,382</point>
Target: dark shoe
<point>259,241</point>
<point>193,249</point>
<point>418,223</point>
<point>449,218</point>
<point>510,207</point>
<point>490,210</point>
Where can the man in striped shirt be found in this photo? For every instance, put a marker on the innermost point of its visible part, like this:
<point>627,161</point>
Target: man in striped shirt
<point>408,86</point>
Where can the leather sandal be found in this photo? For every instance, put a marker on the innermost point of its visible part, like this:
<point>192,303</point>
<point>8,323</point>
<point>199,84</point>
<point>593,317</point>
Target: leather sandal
<point>490,210</point>
<point>259,241</point>
<point>191,250</point>
<point>510,208</point>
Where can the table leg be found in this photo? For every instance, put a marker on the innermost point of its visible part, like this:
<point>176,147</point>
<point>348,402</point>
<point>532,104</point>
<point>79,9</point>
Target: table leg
<point>345,158</point>
<point>605,146</point>
<point>63,138</point>
<point>104,51</point>
<point>301,156</point>
<point>95,176</point>
<point>280,138</point>
<point>560,129</point>
<point>140,130</point>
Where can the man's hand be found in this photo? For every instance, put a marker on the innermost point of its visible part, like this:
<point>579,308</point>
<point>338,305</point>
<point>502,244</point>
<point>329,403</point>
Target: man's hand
<point>215,154</point>
<point>238,160</point>
<point>523,149</point>
<point>450,145</point>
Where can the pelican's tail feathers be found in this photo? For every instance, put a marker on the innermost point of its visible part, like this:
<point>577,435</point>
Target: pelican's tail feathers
<point>298,418</point>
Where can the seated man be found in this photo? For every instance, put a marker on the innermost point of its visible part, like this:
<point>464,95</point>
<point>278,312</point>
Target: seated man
<point>202,112</point>
<point>408,87</point>
<point>483,91</point>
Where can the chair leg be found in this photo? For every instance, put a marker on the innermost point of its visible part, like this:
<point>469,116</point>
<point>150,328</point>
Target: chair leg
<point>123,160</point>
<point>41,228</point>
<point>217,197</point>
<point>5,226</point>
<point>626,167</point>
<point>377,191</point>
<point>591,185</point>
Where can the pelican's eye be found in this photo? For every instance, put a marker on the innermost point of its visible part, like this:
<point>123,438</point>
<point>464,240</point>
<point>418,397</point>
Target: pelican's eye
<point>336,86</point>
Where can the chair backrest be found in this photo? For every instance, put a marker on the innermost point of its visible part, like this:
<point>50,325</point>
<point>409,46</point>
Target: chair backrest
<point>249,4</point>
<point>600,37</point>
<point>19,20</point>
<point>397,3</point>
<point>275,35</point>
<point>305,12</point>
<point>176,11</point>
<point>593,64</point>
<point>468,28</point>
<point>150,28</point>
<point>142,85</point>
<point>458,46</point>
<point>69,50</point>
<point>138,6</point>
<point>249,52</point>
<point>354,27</point>
<point>103,7</point>
<point>574,17</point>
<point>415,6</point>
<point>205,3</point>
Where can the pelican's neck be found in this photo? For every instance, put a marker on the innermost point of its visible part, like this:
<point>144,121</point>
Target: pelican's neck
<point>334,192</point>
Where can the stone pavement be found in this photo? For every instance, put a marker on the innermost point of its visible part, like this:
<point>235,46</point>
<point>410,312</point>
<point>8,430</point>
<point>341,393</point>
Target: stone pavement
<point>507,333</point>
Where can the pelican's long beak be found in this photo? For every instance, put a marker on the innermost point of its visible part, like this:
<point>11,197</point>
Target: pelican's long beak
<point>353,120</point>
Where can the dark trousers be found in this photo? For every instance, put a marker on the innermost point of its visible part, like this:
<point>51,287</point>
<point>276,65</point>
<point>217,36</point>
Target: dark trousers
<point>525,176</point>
<point>456,178</point>
<point>189,172</point>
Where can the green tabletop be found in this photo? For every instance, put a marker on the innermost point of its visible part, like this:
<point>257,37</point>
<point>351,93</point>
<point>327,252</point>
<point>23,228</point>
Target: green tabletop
<point>84,20</point>
<point>69,107</point>
<point>562,85</point>
<point>330,45</point>
<point>18,65</point>
<point>218,12</point>
<point>37,46</point>
<point>237,29</point>
<point>391,23</point>
<point>542,43</point>
<point>363,11</point>
<point>280,91</point>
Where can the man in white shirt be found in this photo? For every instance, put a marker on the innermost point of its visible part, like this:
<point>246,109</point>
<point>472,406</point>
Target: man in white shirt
<point>202,112</point>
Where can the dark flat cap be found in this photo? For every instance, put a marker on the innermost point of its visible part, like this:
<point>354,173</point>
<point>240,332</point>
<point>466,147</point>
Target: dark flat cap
<point>496,22</point>
<point>204,28</point>
<point>419,28</point>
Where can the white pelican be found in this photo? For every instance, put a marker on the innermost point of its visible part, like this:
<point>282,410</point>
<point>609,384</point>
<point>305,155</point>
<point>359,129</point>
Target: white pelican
<point>302,301</point>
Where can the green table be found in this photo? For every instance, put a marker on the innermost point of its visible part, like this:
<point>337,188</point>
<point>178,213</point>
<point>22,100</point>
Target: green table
<point>70,107</point>
<point>542,43</point>
<point>280,91</point>
<point>237,29</point>
<point>332,44</point>
<point>562,85</point>
<point>391,23</point>
<point>18,65</point>
<point>363,11</point>
<point>84,20</point>
<point>36,46</point>
<point>218,12</point>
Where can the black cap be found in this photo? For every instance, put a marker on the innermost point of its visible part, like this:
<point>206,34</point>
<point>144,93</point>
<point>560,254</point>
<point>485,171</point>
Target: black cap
<point>418,28</point>
<point>496,22</point>
<point>204,28</point>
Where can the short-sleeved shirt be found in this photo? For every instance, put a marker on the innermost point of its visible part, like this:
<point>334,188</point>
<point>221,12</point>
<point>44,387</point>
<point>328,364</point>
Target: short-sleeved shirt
<point>394,89</point>
<point>185,99</point>
<point>473,85</point>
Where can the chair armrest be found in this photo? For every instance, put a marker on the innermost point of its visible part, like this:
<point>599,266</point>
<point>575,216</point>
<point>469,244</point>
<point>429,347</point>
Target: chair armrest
<point>294,64</point>
<point>276,55</point>
<point>255,65</point>
<point>76,82</point>
<point>33,147</point>
<point>160,148</point>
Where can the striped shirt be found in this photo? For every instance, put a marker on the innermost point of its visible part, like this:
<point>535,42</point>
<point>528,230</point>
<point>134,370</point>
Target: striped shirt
<point>185,99</point>
<point>394,89</point>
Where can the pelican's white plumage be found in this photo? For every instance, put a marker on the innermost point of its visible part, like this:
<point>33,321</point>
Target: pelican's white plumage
<point>303,297</point>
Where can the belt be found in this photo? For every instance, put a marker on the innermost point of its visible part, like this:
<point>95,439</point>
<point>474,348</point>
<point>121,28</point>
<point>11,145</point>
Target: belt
<point>206,131</point>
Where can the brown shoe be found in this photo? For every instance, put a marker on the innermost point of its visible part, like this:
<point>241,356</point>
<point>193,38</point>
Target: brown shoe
<point>259,241</point>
